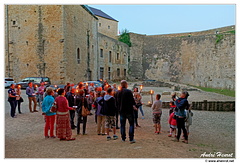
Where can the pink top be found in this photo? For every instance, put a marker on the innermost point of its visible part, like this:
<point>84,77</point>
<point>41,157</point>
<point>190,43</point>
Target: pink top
<point>41,90</point>
<point>171,120</point>
<point>62,104</point>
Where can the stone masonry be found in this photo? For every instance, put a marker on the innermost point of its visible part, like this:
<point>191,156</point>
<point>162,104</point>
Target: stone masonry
<point>198,60</point>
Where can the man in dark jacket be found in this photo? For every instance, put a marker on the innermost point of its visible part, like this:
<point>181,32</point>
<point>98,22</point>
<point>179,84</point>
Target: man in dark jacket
<point>110,110</point>
<point>71,102</point>
<point>126,105</point>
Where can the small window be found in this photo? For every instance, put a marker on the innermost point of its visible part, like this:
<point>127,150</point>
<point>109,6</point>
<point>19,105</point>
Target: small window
<point>14,22</point>
<point>78,56</point>
<point>125,72</point>
<point>109,27</point>
<point>100,24</point>
<point>118,72</point>
<point>117,56</point>
<point>101,72</point>
<point>101,52</point>
<point>110,56</point>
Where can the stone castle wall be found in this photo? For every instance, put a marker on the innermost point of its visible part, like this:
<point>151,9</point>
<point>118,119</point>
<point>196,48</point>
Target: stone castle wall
<point>61,42</point>
<point>33,35</point>
<point>80,36</point>
<point>196,60</point>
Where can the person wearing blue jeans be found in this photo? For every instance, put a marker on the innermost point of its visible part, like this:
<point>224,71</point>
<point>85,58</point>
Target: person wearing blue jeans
<point>126,105</point>
<point>123,119</point>
<point>12,100</point>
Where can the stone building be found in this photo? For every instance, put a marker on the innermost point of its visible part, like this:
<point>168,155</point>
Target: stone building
<point>72,43</point>
<point>60,42</point>
<point>106,24</point>
<point>113,55</point>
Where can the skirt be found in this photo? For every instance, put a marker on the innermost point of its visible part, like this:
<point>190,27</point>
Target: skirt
<point>63,127</point>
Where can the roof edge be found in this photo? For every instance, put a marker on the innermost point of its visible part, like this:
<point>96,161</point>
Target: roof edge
<point>89,11</point>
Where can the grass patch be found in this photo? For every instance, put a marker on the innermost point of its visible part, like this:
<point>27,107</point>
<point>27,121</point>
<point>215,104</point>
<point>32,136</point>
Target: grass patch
<point>219,91</point>
<point>219,37</point>
<point>231,32</point>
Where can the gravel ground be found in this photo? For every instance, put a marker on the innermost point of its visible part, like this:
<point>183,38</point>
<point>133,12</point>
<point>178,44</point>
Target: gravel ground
<point>210,132</point>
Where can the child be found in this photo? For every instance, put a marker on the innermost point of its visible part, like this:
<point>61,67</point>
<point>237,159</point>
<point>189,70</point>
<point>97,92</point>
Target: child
<point>188,120</point>
<point>172,107</point>
<point>110,110</point>
<point>157,112</point>
<point>100,117</point>
<point>173,124</point>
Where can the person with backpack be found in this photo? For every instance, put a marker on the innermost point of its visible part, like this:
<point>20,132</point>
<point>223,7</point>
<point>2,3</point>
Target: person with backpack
<point>100,117</point>
<point>109,110</point>
<point>182,104</point>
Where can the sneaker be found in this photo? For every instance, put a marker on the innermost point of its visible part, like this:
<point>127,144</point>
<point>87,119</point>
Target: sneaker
<point>132,141</point>
<point>115,137</point>
<point>170,135</point>
<point>46,137</point>
<point>185,141</point>
<point>108,138</point>
<point>123,140</point>
<point>35,111</point>
<point>53,137</point>
<point>143,118</point>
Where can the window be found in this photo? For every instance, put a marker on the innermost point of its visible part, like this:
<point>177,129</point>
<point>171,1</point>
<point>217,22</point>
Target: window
<point>109,73</point>
<point>118,72</point>
<point>109,27</point>
<point>101,72</point>
<point>100,24</point>
<point>78,56</point>
<point>101,52</point>
<point>125,73</point>
<point>117,56</point>
<point>110,56</point>
<point>14,22</point>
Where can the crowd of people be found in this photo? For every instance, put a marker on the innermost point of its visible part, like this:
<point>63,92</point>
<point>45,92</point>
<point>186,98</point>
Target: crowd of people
<point>111,104</point>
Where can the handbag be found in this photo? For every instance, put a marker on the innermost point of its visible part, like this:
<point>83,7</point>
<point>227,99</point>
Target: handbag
<point>138,105</point>
<point>54,107</point>
<point>85,111</point>
<point>21,99</point>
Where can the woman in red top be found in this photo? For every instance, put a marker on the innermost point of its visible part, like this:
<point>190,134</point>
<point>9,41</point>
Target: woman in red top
<point>63,129</point>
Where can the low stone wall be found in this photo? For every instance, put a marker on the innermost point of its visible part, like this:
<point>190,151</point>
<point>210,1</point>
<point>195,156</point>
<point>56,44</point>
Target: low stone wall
<point>209,105</point>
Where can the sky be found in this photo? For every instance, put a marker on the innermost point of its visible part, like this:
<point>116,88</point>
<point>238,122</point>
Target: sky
<point>167,19</point>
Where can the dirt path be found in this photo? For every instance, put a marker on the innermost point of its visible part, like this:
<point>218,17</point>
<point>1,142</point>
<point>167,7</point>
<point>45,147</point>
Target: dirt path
<point>210,132</point>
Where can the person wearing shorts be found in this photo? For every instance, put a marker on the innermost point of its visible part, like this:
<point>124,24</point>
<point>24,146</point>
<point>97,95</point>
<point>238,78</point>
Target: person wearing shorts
<point>110,110</point>
<point>157,112</point>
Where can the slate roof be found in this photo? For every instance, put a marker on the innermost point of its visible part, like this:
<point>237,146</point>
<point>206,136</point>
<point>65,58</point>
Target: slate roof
<point>100,13</point>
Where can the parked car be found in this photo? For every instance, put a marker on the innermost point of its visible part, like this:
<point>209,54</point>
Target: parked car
<point>8,82</point>
<point>55,87</point>
<point>35,80</point>
<point>96,84</point>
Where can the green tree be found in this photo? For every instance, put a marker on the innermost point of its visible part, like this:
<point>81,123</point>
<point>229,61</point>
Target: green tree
<point>124,37</point>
